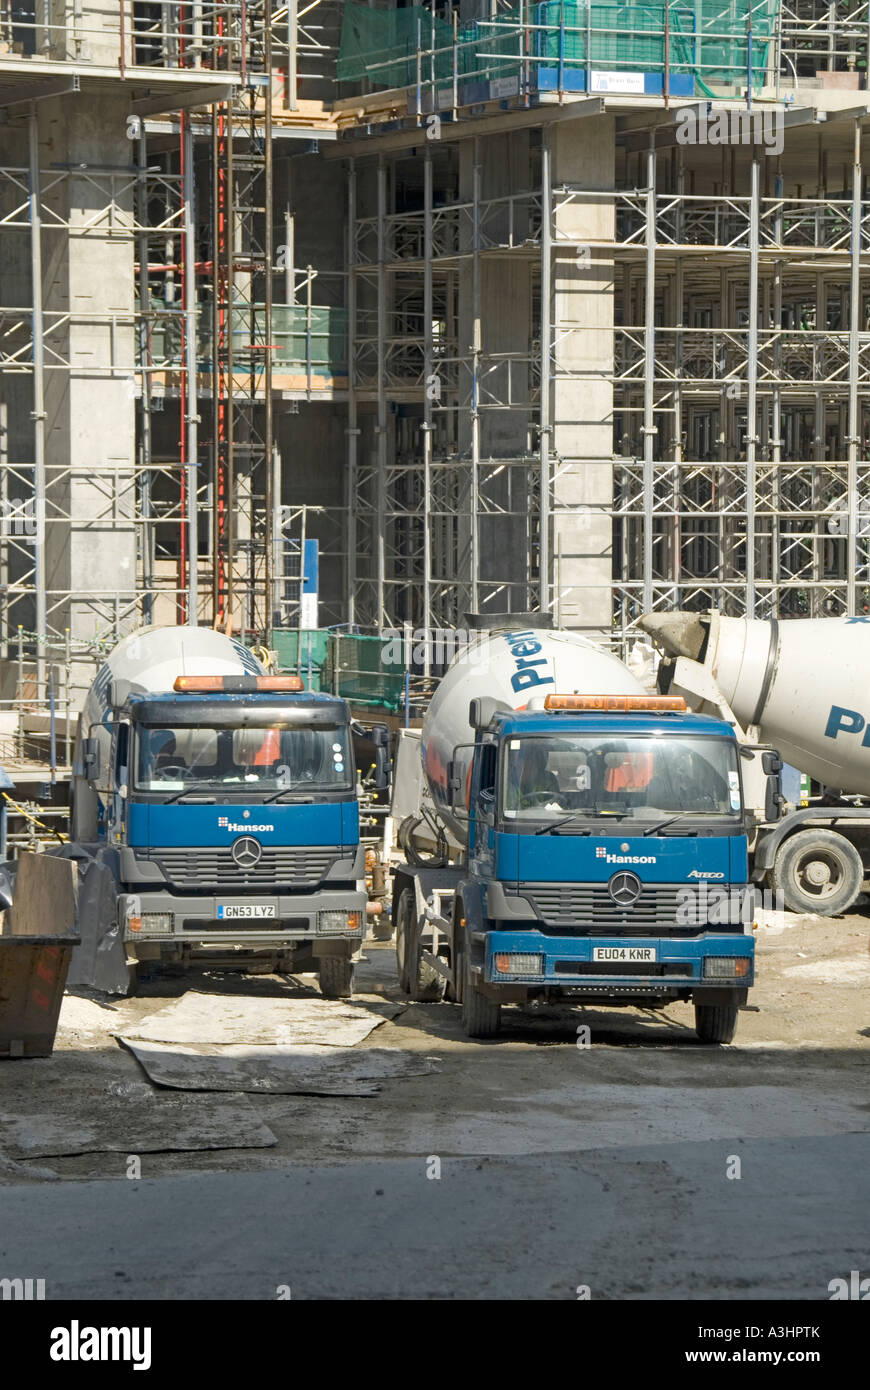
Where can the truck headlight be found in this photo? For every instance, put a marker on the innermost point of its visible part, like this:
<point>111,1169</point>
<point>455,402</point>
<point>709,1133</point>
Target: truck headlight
<point>726,967</point>
<point>518,963</point>
<point>157,923</point>
<point>336,920</point>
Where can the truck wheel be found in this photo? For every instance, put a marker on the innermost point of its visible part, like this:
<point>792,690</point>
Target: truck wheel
<point>416,977</point>
<point>817,871</point>
<point>715,1023</point>
<point>405,911</point>
<point>481,1016</point>
<point>335,974</point>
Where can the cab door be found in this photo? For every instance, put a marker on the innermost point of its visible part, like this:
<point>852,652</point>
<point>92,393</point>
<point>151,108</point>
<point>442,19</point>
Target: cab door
<point>120,787</point>
<point>482,808</point>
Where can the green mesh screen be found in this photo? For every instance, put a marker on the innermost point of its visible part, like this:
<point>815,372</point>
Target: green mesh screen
<point>707,38</point>
<point>301,652</point>
<point>345,664</point>
<point>356,670</point>
<point>302,339</point>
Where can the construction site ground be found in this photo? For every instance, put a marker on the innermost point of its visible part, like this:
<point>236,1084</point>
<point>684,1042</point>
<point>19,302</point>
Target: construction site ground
<point>644,1165</point>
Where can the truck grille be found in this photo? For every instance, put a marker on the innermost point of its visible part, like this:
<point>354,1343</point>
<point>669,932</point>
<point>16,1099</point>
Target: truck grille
<point>215,868</point>
<point>589,909</point>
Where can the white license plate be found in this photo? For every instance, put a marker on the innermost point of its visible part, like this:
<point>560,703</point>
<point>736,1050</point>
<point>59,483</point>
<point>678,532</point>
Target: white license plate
<point>633,953</point>
<point>229,913</point>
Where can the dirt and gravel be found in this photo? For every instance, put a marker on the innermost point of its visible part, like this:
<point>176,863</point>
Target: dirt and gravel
<point>642,1125</point>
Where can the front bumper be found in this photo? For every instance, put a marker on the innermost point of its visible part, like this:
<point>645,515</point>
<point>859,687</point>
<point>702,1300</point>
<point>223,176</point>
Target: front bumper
<point>567,962</point>
<point>196,920</point>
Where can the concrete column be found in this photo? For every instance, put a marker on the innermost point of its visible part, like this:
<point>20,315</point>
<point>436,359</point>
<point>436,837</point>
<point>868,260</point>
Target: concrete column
<point>582,390</point>
<point>88,286</point>
<point>495,301</point>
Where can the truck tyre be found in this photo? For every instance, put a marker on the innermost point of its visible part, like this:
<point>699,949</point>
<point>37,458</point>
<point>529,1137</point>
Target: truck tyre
<point>817,871</point>
<point>416,977</point>
<point>335,974</point>
<point>405,910</point>
<point>481,1016</point>
<point>715,1023</point>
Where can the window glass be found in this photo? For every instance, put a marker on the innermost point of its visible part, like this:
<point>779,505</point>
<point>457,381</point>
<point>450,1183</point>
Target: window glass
<point>639,777</point>
<point>271,758</point>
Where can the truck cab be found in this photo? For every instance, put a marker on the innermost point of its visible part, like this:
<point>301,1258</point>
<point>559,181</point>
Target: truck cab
<point>230,817</point>
<point>605,863</point>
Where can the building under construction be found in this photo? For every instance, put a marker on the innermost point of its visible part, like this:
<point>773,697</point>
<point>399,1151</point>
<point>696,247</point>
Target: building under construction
<point>508,306</point>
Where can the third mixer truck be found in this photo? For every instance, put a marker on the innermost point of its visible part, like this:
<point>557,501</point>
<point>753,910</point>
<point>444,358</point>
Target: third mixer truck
<point>803,685</point>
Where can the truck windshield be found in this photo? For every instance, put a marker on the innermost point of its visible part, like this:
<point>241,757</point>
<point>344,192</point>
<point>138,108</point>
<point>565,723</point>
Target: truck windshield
<point>265,759</point>
<point>638,778</point>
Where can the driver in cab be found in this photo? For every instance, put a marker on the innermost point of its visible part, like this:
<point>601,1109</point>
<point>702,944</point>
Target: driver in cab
<point>534,784</point>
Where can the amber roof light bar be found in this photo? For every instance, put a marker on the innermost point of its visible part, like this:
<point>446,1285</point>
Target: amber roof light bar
<point>625,704</point>
<point>237,685</point>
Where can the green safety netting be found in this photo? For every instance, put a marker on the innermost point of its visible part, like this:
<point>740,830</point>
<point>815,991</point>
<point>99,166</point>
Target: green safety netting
<point>304,651</point>
<point>707,38</point>
<point>352,665</point>
<point>302,339</point>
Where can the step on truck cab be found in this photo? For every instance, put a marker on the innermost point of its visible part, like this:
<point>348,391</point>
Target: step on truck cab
<point>605,863</point>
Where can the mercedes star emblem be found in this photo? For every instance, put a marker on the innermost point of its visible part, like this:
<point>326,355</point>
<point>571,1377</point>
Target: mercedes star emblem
<point>625,889</point>
<point>248,851</point>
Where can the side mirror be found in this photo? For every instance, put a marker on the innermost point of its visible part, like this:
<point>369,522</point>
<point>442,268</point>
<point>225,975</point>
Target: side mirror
<point>455,789</point>
<point>381,740</point>
<point>773,797</point>
<point>481,711</point>
<point>120,692</point>
<point>90,759</point>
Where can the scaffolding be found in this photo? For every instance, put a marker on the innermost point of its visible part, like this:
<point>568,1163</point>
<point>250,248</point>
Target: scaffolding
<point>736,361</point>
<point>693,46</point>
<point>488,375</point>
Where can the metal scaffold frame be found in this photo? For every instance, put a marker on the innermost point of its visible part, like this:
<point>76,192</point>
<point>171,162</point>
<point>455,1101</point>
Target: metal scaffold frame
<point>424,492</point>
<point>729,307</point>
<point>33,350</point>
<point>243,261</point>
<point>736,362</point>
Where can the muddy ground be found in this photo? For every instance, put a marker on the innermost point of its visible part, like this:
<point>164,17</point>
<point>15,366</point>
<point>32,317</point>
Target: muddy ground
<point>521,1167</point>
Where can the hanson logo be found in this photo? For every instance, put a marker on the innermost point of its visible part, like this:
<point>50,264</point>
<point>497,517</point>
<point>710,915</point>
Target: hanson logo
<point>625,858</point>
<point>235,829</point>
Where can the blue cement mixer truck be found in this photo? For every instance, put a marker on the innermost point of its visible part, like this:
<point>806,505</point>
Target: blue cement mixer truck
<point>592,845</point>
<point>221,804</point>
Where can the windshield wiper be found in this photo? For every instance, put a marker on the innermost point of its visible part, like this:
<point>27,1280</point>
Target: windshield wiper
<point>669,820</point>
<point>578,815</point>
<point>186,791</point>
<point>295,787</point>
